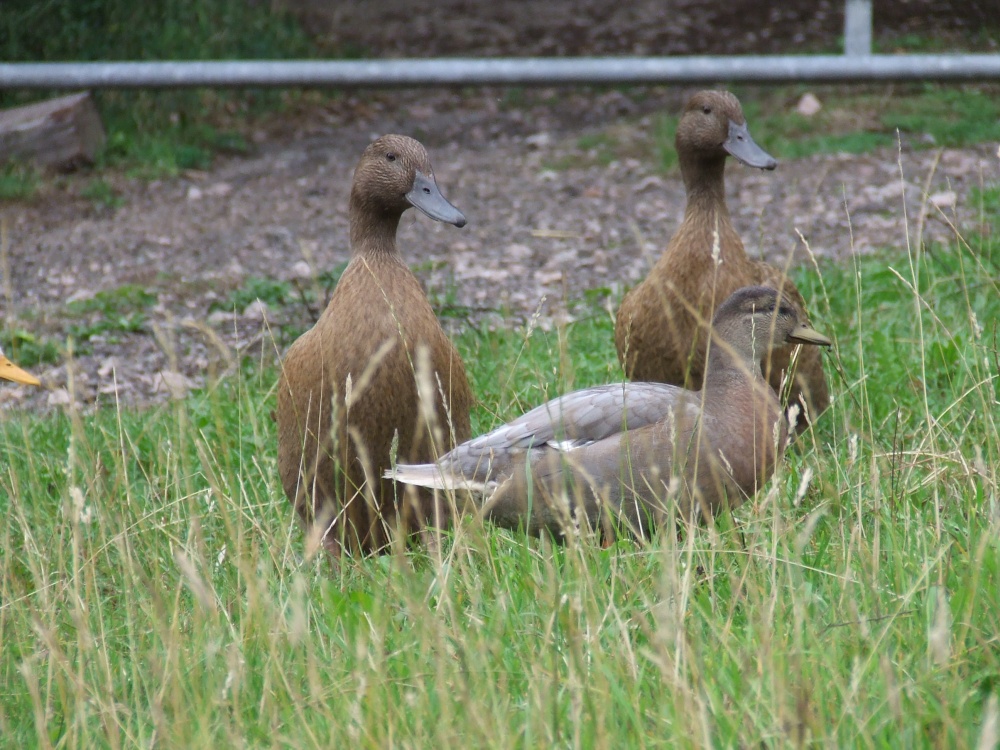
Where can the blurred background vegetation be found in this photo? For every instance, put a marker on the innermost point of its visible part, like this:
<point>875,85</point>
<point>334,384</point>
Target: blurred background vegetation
<point>158,131</point>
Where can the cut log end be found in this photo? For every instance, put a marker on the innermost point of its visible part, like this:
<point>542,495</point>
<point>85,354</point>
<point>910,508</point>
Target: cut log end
<point>62,134</point>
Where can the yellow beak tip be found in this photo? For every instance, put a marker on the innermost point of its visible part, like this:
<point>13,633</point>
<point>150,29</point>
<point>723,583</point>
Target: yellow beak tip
<point>10,371</point>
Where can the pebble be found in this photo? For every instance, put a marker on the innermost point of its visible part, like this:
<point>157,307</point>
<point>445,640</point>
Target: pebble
<point>539,140</point>
<point>58,397</point>
<point>257,311</point>
<point>173,383</point>
<point>300,270</point>
<point>808,105</point>
<point>945,199</point>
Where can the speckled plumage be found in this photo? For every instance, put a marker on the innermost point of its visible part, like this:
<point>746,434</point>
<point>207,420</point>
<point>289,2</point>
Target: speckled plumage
<point>372,331</point>
<point>660,330</point>
<point>636,452</point>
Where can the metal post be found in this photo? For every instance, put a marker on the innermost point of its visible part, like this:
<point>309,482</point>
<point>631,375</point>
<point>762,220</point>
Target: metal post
<point>857,27</point>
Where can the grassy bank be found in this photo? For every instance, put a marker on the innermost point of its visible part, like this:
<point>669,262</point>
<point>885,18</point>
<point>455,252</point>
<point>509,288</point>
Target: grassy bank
<point>154,589</point>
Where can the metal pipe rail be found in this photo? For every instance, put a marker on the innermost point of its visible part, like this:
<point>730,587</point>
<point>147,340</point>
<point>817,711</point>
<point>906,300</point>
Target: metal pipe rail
<point>538,71</point>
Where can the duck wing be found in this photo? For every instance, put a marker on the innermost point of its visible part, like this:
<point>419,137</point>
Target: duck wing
<point>563,424</point>
<point>626,477</point>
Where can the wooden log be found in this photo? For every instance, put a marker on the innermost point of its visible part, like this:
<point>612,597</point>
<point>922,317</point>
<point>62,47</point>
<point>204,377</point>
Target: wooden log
<point>62,133</point>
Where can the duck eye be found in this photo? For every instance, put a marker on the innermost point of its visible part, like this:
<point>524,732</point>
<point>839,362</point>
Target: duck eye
<point>390,156</point>
<point>706,109</point>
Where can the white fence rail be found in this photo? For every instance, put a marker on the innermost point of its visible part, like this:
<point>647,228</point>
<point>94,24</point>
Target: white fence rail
<point>501,71</point>
<point>856,65</point>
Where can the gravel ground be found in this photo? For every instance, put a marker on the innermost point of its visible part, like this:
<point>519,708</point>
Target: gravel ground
<point>547,219</point>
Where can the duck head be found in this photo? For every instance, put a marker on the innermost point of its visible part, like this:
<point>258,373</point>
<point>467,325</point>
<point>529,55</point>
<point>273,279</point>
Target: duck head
<point>756,318</point>
<point>10,371</point>
<point>713,126</point>
<point>395,173</point>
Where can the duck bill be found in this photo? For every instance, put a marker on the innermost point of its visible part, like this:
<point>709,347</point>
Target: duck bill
<point>10,371</point>
<point>806,335</point>
<point>426,196</point>
<point>741,146</point>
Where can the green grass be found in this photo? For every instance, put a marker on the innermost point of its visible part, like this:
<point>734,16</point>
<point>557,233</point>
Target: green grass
<point>27,349</point>
<point>970,40</point>
<point>987,200</point>
<point>269,291</point>
<point>119,310</point>
<point>156,133</point>
<point>858,121</point>
<point>100,192</point>
<point>600,147</point>
<point>153,591</point>
<point>17,182</point>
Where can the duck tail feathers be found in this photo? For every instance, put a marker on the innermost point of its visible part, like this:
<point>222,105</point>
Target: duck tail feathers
<point>434,477</point>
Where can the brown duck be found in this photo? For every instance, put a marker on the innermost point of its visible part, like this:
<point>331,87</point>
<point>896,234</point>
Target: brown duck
<point>348,392</point>
<point>660,331</point>
<point>630,454</point>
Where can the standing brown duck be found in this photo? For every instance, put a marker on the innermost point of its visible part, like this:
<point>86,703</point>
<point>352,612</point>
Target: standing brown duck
<point>661,328</point>
<point>348,387</point>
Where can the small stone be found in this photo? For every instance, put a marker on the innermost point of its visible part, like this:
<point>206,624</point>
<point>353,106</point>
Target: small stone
<point>257,311</point>
<point>13,394</point>
<point>548,277</point>
<point>808,105</point>
<point>517,251</point>
<point>80,295</point>
<point>194,193</point>
<point>649,182</point>
<point>421,112</point>
<point>107,367</point>
<point>301,270</point>
<point>539,140</point>
<point>944,199</point>
<point>494,275</point>
<point>59,397</point>
<point>172,382</point>
<point>219,189</point>
<point>234,270</point>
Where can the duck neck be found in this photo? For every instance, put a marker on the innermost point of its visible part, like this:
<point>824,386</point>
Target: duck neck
<point>373,232</point>
<point>705,182</point>
<point>726,365</point>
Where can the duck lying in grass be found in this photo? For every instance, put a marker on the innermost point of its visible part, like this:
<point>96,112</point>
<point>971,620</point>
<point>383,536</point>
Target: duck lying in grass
<point>631,454</point>
<point>660,330</point>
<point>10,371</point>
<point>348,392</point>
